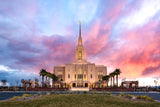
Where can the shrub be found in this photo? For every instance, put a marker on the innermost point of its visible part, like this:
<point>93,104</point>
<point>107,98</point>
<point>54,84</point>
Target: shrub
<point>78,92</point>
<point>149,99</point>
<point>85,92</point>
<point>93,92</point>
<point>52,92</point>
<point>25,95</point>
<point>24,98</point>
<point>121,94</point>
<point>108,93</point>
<point>42,93</point>
<point>100,93</point>
<point>70,92</point>
<point>35,95</point>
<point>142,97</point>
<point>48,94</point>
<point>145,97</point>
<point>129,96</point>
<point>39,94</point>
<point>15,97</point>
<point>139,97</point>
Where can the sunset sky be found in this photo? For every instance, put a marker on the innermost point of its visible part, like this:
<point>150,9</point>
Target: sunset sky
<point>37,34</point>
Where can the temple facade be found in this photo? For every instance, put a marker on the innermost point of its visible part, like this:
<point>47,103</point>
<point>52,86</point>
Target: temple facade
<point>80,72</point>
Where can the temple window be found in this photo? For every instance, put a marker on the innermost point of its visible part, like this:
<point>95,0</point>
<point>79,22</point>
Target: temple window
<point>80,55</point>
<point>69,75</point>
<point>100,75</point>
<point>91,75</point>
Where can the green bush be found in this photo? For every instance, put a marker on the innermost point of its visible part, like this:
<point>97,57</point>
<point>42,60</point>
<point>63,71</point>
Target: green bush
<point>42,93</point>
<point>70,92</point>
<point>35,95</point>
<point>145,97</point>
<point>121,94</point>
<point>39,94</point>
<point>52,92</point>
<point>78,92</point>
<point>85,92</point>
<point>93,92</point>
<point>108,93</point>
<point>15,97</point>
<point>100,93</point>
<point>24,98</point>
<point>149,99</point>
<point>25,95</point>
<point>129,96</point>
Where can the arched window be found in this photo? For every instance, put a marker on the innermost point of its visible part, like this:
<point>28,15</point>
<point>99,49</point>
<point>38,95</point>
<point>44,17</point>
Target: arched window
<point>80,55</point>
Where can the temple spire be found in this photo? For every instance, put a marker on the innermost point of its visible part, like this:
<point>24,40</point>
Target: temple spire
<point>80,38</point>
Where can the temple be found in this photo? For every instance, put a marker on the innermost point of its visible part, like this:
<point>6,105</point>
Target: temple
<point>80,72</point>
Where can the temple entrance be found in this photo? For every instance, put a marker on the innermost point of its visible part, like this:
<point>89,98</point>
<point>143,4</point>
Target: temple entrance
<point>74,84</point>
<point>86,84</point>
<point>80,84</point>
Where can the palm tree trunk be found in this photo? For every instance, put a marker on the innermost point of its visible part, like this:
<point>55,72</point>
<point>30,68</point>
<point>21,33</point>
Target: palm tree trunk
<point>46,81</point>
<point>49,81</point>
<point>117,80</point>
<point>52,82</point>
<point>111,82</point>
<point>42,81</point>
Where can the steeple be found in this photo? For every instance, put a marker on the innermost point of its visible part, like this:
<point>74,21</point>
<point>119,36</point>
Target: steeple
<point>79,38</point>
<point>80,52</point>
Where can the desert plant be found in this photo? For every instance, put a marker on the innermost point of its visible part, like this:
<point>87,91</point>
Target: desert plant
<point>85,92</point>
<point>149,99</point>
<point>121,94</point>
<point>145,97</point>
<point>129,96</point>
<point>108,93</point>
<point>100,93</point>
<point>25,95</point>
<point>15,97</point>
<point>93,92</point>
<point>42,93</point>
<point>70,92</point>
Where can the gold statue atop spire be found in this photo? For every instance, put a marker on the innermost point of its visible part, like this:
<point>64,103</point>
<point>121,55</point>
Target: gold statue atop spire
<point>80,38</point>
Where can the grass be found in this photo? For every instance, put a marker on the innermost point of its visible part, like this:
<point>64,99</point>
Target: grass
<point>79,100</point>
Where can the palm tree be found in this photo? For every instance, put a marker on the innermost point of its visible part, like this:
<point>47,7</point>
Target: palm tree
<point>106,78</point>
<point>54,79</point>
<point>49,75</point>
<point>46,84</point>
<point>117,72</point>
<point>42,73</point>
<point>114,73</point>
<point>111,75</point>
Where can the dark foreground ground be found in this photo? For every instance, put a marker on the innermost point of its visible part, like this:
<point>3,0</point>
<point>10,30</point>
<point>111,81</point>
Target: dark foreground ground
<point>80,100</point>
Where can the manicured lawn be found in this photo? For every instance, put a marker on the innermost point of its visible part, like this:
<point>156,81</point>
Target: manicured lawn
<point>79,100</point>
